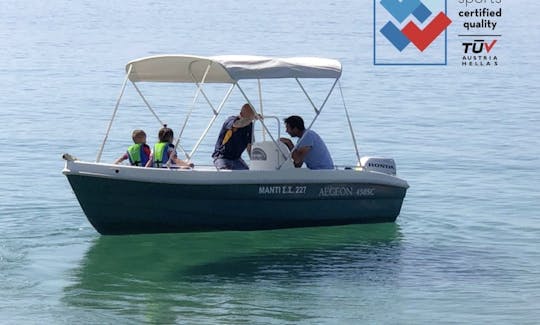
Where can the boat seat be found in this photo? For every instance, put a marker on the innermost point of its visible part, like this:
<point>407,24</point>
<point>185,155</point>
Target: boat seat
<point>265,155</point>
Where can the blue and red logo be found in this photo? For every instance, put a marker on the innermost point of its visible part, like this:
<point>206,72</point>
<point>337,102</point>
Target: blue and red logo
<point>402,22</point>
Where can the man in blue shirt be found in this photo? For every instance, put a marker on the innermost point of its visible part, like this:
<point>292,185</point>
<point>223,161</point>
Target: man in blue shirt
<point>310,148</point>
<point>234,137</point>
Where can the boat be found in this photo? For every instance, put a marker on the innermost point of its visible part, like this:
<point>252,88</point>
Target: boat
<point>272,194</point>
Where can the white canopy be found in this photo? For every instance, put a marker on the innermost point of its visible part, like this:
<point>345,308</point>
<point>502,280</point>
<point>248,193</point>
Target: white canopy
<point>229,68</point>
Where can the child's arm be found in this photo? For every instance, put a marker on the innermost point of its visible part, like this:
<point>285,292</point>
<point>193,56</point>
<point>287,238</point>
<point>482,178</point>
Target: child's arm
<point>150,161</point>
<point>121,158</point>
<point>179,162</point>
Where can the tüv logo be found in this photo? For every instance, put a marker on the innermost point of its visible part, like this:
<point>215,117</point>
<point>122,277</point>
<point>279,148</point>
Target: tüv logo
<point>410,32</point>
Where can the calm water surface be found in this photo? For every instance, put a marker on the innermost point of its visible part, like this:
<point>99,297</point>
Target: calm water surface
<point>465,248</point>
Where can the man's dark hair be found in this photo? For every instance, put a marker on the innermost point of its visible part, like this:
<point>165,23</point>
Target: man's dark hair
<point>295,121</point>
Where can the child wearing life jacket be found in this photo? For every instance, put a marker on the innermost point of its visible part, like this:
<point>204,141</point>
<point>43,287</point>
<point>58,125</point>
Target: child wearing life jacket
<point>139,152</point>
<point>164,153</point>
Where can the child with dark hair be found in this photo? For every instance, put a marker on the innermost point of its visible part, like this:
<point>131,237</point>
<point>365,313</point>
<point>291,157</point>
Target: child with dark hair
<point>139,152</point>
<point>164,153</point>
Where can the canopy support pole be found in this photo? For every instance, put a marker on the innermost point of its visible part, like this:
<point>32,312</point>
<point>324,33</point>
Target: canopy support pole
<point>153,112</point>
<point>100,152</point>
<point>322,105</point>
<point>188,116</point>
<point>200,84</point>
<point>318,111</point>
<point>350,124</point>
<point>216,113</point>
<point>307,95</point>
<point>262,122</point>
<point>146,102</point>
<point>197,92</point>
<point>261,107</point>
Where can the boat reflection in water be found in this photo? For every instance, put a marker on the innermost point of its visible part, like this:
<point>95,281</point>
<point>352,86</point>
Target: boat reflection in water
<point>202,276</point>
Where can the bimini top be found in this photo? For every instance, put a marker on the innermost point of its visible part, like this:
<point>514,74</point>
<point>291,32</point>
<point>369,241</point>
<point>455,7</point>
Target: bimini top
<point>229,68</point>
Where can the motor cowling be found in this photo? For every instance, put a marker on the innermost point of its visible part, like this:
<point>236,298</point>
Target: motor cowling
<point>379,164</point>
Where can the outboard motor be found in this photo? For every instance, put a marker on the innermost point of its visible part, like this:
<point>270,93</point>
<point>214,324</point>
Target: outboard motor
<point>265,155</point>
<point>377,164</point>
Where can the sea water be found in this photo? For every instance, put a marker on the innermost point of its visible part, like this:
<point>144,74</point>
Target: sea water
<point>465,248</point>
